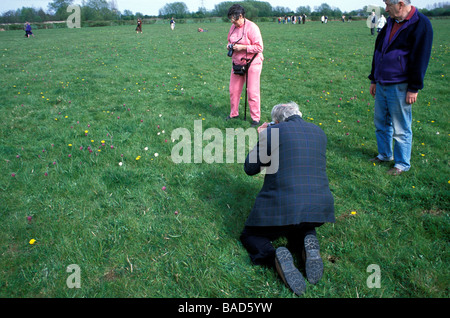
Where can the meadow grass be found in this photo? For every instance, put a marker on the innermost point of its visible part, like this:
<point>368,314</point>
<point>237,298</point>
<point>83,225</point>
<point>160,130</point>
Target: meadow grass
<point>86,167</point>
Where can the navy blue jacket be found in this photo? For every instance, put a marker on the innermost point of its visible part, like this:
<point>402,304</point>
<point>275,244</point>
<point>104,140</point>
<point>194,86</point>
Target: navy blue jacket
<point>295,188</point>
<point>404,59</point>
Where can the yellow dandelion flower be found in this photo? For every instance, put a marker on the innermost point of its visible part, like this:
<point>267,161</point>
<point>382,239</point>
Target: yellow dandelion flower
<point>32,241</point>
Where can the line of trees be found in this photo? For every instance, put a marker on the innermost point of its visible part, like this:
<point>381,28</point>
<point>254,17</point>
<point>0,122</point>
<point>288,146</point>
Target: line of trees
<point>107,10</point>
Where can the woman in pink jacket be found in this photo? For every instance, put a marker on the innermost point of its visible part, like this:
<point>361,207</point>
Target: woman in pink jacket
<point>245,44</point>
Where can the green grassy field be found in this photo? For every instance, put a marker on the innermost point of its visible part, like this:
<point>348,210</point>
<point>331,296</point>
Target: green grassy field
<point>86,167</point>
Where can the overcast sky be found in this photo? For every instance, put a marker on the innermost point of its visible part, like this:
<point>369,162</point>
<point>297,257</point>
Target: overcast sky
<point>152,7</point>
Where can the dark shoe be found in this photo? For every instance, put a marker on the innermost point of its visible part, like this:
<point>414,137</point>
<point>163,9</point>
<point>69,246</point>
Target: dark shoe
<point>228,117</point>
<point>313,262</point>
<point>290,275</point>
<point>395,171</point>
<point>255,123</point>
<point>376,160</point>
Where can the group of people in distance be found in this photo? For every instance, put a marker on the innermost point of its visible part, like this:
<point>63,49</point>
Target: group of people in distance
<point>294,19</point>
<point>376,22</point>
<point>295,198</point>
<point>139,25</point>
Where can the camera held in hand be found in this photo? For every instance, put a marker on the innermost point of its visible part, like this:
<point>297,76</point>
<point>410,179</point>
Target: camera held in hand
<point>230,49</point>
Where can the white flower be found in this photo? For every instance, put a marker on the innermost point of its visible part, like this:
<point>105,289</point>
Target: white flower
<point>120,163</point>
<point>146,148</point>
<point>156,154</point>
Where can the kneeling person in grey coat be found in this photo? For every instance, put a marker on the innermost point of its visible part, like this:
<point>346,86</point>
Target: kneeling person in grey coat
<point>295,198</point>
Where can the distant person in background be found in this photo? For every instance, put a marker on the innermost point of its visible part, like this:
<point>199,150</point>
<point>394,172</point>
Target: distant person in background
<point>400,60</point>
<point>28,30</point>
<point>373,21</point>
<point>172,23</point>
<point>381,23</point>
<point>139,26</point>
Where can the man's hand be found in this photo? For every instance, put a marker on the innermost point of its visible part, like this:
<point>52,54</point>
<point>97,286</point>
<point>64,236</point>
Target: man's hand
<point>262,127</point>
<point>373,89</point>
<point>411,97</point>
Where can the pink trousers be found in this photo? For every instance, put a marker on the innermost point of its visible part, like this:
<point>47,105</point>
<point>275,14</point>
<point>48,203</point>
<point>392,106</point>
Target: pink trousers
<point>253,93</point>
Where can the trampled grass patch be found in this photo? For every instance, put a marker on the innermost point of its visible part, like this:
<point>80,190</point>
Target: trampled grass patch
<point>87,172</point>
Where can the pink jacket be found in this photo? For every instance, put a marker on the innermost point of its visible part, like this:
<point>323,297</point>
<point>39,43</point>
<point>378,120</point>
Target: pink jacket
<point>250,35</point>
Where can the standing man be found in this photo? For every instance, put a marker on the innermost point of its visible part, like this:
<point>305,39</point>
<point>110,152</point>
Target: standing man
<point>245,44</point>
<point>402,53</point>
<point>373,20</point>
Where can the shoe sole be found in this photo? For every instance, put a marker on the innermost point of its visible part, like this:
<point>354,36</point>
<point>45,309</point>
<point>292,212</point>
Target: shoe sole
<point>313,263</point>
<point>395,172</point>
<point>290,275</point>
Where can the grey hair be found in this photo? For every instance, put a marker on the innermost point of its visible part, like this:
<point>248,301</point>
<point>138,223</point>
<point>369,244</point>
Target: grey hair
<point>281,112</point>
<point>407,2</point>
